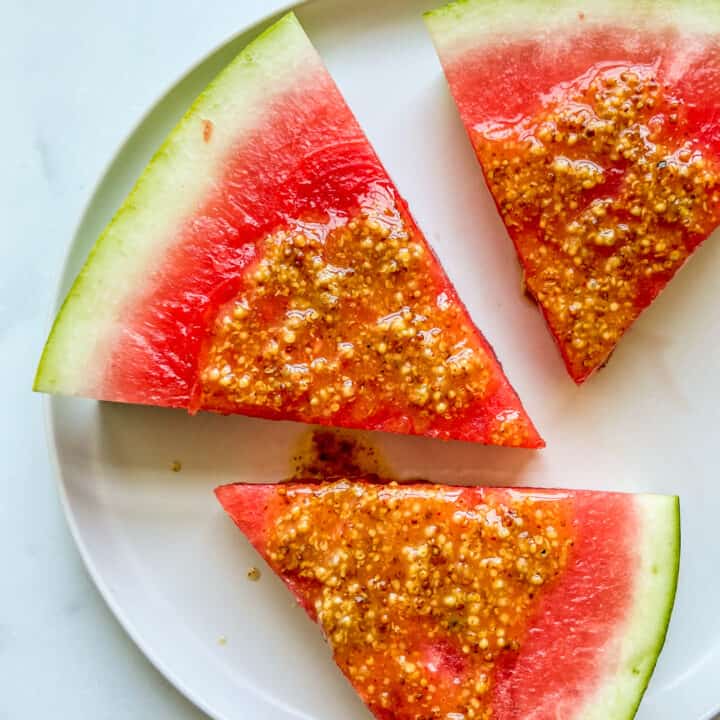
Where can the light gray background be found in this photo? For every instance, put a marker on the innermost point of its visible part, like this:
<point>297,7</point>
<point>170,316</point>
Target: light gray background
<point>76,76</point>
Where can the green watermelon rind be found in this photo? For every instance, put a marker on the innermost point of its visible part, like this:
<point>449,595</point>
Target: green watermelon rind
<point>635,651</point>
<point>463,24</point>
<point>121,265</point>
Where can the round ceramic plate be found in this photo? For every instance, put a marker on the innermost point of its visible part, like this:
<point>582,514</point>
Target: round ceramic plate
<point>173,567</point>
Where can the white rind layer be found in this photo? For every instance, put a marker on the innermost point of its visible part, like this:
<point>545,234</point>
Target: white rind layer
<point>179,177</point>
<point>631,655</point>
<point>465,24</point>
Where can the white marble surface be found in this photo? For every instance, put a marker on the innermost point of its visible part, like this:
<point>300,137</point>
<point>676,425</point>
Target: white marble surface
<point>76,76</point>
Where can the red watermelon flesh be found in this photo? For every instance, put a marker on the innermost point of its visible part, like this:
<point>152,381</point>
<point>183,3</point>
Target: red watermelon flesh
<point>598,131</point>
<point>457,602</point>
<point>265,264</point>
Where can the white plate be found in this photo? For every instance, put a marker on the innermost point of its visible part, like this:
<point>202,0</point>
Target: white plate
<point>172,566</point>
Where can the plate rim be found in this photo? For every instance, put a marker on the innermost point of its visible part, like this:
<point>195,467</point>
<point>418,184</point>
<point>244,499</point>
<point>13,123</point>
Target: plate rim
<point>49,422</point>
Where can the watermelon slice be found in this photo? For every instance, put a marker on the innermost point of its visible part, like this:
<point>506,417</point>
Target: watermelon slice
<point>456,602</point>
<point>598,130</point>
<point>265,264</point>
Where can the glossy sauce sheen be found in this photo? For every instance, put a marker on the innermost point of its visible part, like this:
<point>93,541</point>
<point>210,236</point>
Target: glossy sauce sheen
<point>285,294</point>
<point>604,167</point>
<point>605,199</point>
<point>439,600</point>
<point>271,178</point>
<point>345,318</point>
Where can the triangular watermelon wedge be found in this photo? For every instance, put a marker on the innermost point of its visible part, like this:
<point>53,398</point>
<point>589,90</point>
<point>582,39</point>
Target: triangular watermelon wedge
<point>596,123</point>
<point>454,602</point>
<point>265,264</point>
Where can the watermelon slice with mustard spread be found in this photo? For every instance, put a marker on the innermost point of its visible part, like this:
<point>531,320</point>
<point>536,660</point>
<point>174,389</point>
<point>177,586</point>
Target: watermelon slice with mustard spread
<point>444,602</point>
<point>597,126</point>
<point>265,264</point>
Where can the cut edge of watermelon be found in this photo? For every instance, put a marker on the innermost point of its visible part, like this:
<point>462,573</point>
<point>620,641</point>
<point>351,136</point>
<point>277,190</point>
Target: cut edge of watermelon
<point>79,343</point>
<point>459,25</point>
<point>658,552</point>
